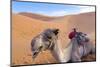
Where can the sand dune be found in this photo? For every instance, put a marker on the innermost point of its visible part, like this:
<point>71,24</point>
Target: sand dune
<point>25,27</point>
<point>37,16</point>
<point>84,22</point>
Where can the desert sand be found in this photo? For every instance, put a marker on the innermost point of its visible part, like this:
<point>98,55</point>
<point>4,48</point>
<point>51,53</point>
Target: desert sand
<point>25,26</point>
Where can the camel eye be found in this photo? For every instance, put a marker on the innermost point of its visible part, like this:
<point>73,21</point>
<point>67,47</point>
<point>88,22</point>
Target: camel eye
<point>49,37</point>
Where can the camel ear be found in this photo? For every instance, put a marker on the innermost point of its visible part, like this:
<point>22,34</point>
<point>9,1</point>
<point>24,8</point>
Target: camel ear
<point>56,31</point>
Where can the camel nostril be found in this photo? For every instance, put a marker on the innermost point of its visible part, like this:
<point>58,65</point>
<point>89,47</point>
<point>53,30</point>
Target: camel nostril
<point>35,53</point>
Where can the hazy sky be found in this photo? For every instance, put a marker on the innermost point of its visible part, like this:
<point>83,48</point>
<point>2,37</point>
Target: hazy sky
<point>49,8</point>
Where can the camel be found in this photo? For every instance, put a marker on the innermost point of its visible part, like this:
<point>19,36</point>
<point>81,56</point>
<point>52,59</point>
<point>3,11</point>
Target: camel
<point>43,41</point>
<point>73,51</point>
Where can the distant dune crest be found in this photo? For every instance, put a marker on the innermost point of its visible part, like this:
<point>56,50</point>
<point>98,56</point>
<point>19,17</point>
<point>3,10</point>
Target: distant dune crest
<point>37,16</point>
